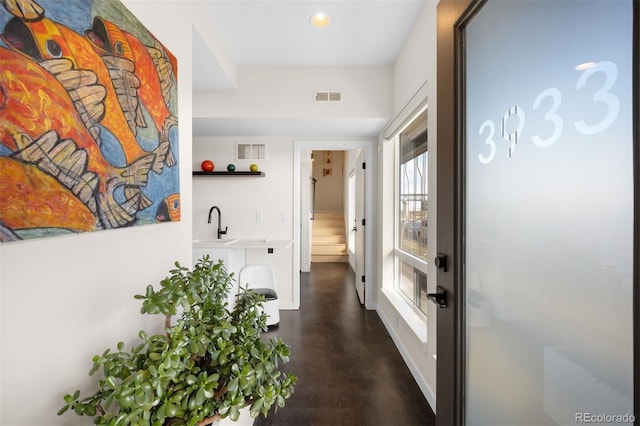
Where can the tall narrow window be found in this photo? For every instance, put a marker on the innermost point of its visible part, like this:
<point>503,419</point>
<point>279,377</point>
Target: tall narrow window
<point>412,214</point>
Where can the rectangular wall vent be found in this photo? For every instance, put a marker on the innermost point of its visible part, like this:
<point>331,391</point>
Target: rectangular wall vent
<point>328,96</point>
<point>251,151</point>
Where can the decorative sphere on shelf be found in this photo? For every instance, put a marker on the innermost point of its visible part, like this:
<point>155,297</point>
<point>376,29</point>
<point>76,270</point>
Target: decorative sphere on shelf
<point>231,167</point>
<point>253,167</point>
<point>207,166</point>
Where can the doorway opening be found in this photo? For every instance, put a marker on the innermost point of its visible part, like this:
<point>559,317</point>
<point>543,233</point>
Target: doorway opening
<point>329,207</point>
<point>306,208</point>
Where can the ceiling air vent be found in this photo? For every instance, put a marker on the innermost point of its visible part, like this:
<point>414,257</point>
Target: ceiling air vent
<point>327,96</point>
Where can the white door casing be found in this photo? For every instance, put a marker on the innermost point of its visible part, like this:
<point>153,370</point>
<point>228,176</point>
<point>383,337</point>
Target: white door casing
<point>299,147</point>
<point>360,219</point>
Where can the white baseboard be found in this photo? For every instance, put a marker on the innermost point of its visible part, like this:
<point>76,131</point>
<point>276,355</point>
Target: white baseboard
<point>428,393</point>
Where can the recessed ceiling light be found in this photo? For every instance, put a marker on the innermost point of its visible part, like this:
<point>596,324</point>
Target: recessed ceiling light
<point>320,20</point>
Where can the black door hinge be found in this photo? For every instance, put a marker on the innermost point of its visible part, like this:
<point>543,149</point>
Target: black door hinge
<point>364,222</point>
<point>363,278</point>
<point>364,166</point>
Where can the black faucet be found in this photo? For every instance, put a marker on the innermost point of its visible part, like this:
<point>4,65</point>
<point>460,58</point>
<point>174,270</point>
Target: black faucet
<point>220,231</point>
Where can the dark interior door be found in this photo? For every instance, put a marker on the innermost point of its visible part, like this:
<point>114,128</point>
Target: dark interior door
<point>537,212</point>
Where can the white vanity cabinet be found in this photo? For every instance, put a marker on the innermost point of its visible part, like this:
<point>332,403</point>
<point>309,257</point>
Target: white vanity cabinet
<point>237,253</point>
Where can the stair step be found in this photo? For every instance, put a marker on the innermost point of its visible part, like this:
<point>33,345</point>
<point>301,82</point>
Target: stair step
<point>339,249</point>
<point>328,215</point>
<point>329,239</point>
<point>328,223</point>
<point>329,258</point>
<point>327,231</point>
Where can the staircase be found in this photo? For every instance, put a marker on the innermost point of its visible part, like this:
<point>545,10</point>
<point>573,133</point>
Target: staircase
<point>328,241</point>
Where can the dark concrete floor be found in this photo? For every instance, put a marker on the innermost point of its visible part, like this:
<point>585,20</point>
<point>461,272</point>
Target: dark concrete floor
<point>349,370</point>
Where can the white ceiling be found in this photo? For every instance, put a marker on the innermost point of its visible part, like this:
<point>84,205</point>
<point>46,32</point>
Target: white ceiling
<point>266,32</point>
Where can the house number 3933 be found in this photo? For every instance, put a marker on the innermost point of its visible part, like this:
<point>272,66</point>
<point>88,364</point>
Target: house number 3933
<point>602,95</point>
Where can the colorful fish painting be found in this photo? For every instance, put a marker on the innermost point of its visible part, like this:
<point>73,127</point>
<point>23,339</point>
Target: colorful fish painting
<point>169,209</point>
<point>117,48</point>
<point>36,119</point>
<point>72,103</point>
<point>32,197</point>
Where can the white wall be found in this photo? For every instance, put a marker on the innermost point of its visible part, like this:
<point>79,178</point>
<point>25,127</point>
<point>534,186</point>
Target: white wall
<point>287,92</point>
<point>414,81</point>
<point>416,62</point>
<point>329,187</point>
<point>241,197</point>
<point>65,299</point>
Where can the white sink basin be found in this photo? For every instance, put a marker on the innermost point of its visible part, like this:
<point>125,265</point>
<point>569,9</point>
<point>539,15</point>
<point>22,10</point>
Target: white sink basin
<point>214,242</point>
<point>234,243</point>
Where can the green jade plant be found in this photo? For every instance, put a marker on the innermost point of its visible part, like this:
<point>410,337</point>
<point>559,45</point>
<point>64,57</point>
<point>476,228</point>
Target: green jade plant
<point>209,365</point>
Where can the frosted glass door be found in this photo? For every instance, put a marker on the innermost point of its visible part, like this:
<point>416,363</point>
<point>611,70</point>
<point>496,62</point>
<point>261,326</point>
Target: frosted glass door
<point>548,213</point>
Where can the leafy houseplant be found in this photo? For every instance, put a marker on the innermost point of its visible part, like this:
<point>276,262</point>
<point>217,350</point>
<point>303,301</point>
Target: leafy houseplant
<point>207,366</point>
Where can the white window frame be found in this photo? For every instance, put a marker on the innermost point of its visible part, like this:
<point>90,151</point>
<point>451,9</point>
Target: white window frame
<point>399,254</point>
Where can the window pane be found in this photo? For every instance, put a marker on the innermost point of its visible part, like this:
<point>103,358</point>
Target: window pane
<point>413,284</point>
<point>413,157</point>
<point>421,285</point>
<point>405,280</point>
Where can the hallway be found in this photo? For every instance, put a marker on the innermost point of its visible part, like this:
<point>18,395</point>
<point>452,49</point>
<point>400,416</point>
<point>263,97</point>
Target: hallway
<point>349,371</point>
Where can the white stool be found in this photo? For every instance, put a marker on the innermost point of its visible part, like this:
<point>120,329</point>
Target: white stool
<point>262,280</point>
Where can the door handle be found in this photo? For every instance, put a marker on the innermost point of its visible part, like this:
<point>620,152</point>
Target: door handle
<point>439,297</point>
